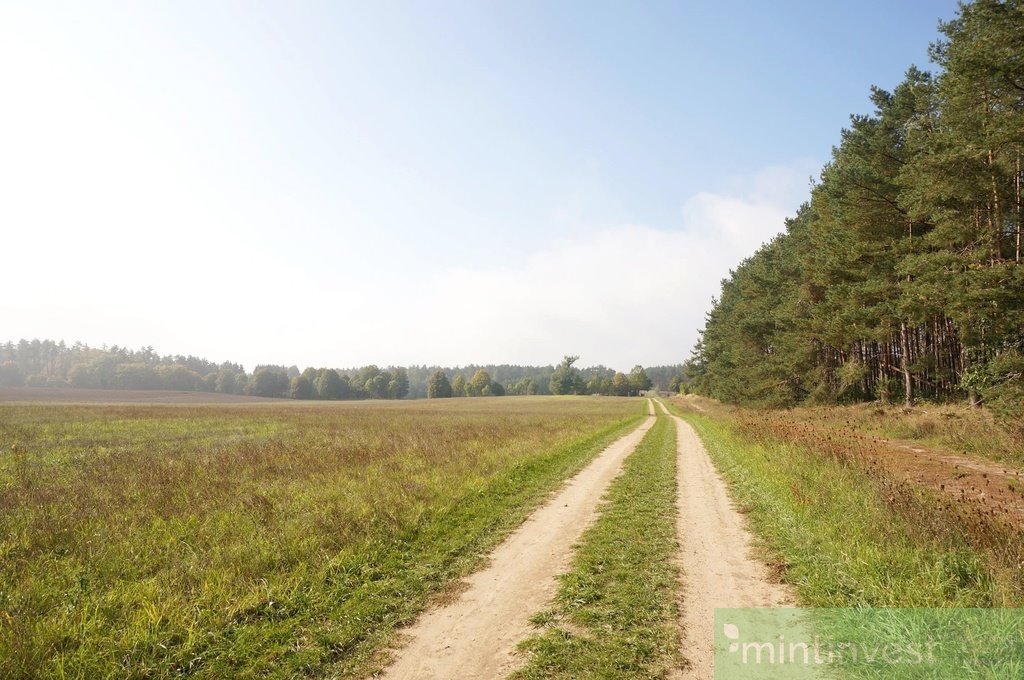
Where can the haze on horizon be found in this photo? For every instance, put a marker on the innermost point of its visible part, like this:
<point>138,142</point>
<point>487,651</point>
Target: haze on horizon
<point>338,184</point>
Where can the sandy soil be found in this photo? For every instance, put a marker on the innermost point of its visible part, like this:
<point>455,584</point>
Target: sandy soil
<point>475,636</point>
<point>718,567</point>
<point>996,489</point>
<point>80,395</point>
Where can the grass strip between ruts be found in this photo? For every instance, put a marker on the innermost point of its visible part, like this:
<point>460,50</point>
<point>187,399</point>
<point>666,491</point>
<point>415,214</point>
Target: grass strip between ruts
<point>615,613</point>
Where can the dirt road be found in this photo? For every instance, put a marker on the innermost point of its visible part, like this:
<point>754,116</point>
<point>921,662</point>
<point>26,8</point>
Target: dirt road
<point>476,635</point>
<point>718,569</point>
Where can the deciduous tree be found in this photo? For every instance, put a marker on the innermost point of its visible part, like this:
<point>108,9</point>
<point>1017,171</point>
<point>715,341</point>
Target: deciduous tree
<point>567,378</point>
<point>438,387</point>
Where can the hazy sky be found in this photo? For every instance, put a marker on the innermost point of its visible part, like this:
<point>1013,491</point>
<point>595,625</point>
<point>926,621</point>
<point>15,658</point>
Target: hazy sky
<point>414,182</point>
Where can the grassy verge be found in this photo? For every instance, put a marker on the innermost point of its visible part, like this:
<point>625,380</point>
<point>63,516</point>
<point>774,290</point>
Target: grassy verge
<point>840,539</point>
<point>615,613</point>
<point>259,541</point>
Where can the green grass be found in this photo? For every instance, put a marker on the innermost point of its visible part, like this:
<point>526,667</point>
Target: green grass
<point>615,612</point>
<point>839,540</point>
<point>264,540</point>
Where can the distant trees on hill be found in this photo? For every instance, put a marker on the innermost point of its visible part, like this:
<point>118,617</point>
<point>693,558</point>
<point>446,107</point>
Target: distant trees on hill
<point>526,380</point>
<point>42,363</point>
<point>45,363</point>
<point>902,277</point>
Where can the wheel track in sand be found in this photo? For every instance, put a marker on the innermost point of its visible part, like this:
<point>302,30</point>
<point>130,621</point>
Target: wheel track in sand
<point>475,636</point>
<point>715,553</point>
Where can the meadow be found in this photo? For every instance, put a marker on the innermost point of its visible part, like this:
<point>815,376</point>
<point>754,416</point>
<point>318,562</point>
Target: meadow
<point>260,540</point>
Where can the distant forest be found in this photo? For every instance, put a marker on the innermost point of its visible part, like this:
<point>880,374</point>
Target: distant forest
<point>901,278</point>
<point>46,363</point>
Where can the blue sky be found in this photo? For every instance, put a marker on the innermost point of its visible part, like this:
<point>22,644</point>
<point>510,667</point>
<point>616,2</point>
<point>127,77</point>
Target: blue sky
<point>345,183</point>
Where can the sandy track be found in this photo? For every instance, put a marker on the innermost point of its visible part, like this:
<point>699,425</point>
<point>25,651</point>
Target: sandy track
<point>718,569</point>
<point>476,636</point>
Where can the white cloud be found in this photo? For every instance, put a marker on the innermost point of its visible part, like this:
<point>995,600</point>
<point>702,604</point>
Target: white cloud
<point>619,296</point>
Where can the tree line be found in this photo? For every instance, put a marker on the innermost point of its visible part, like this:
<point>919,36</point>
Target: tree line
<point>901,277</point>
<point>46,363</point>
<point>564,379</point>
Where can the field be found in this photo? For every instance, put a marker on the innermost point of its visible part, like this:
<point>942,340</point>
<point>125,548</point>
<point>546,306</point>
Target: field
<point>268,539</point>
<point>284,538</point>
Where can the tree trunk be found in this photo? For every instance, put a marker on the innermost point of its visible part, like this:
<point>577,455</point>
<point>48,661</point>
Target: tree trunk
<point>908,382</point>
<point>1016,186</point>
<point>883,366</point>
<point>995,212</point>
